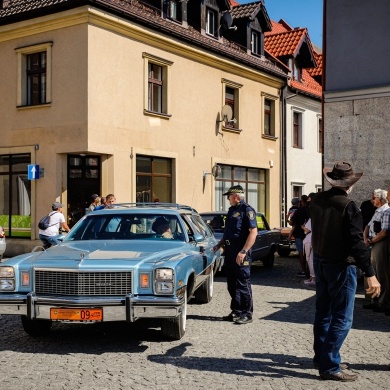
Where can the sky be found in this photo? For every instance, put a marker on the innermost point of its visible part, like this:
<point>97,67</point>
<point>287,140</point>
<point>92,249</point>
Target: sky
<point>297,13</point>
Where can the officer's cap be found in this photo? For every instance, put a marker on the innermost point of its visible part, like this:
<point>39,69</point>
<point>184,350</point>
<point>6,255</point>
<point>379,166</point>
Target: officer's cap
<point>234,190</point>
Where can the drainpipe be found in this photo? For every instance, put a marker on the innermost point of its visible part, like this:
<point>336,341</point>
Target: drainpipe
<point>283,165</point>
<point>284,201</point>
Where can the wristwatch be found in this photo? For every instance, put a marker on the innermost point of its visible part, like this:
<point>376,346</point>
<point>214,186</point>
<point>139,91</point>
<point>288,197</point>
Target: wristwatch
<point>243,251</point>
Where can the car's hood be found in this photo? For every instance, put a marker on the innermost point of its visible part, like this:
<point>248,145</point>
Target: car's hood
<point>96,254</point>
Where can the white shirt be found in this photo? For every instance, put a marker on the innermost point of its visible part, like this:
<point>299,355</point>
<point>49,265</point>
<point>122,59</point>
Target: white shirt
<point>56,220</point>
<point>376,217</point>
<point>308,235</point>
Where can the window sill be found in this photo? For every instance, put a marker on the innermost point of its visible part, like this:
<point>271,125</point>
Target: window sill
<point>34,106</point>
<point>231,129</point>
<point>158,114</point>
<point>270,137</point>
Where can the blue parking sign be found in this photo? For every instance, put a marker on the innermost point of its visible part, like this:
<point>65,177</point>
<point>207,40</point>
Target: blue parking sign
<point>33,172</point>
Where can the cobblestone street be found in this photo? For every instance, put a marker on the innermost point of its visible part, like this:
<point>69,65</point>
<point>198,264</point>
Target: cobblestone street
<point>273,352</point>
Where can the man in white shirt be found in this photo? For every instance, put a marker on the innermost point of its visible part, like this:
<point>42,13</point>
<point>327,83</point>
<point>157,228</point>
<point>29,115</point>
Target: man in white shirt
<point>50,235</point>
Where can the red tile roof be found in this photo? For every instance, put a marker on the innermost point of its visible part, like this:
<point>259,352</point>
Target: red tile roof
<point>317,71</point>
<point>307,85</point>
<point>233,3</point>
<point>285,41</point>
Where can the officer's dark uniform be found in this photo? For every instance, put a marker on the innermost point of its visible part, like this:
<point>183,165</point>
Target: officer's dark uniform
<point>239,220</point>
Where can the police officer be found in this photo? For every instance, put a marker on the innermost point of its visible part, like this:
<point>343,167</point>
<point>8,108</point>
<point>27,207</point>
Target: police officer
<point>239,236</point>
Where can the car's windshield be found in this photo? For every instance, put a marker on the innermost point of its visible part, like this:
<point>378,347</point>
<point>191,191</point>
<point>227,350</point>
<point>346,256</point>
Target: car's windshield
<point>127,227</point>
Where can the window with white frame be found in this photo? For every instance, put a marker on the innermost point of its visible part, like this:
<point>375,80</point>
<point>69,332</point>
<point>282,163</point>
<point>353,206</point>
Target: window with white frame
<point>297,130</point>
<point>297,190</point>
<point>157,99</point>
<point>34,74</point>
<point>255,42</point>
<point>174,10</point>
<point>211,22</point>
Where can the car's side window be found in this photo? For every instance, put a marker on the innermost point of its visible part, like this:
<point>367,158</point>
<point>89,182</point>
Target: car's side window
<point>203,229</point>
<point>189,229</point>
<point>260,222</point>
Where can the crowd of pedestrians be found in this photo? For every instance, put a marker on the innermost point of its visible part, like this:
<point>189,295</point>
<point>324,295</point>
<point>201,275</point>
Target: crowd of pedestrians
<point>375,216</point>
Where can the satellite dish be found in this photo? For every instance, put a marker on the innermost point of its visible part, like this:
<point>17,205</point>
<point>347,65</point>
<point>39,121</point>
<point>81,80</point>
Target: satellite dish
<point>226,20</point>
<point>216,170</point>
<point>227,113</point>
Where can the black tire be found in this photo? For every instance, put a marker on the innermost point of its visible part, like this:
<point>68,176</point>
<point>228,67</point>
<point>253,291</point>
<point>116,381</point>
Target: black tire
<point>269,260</point>
<point>204,294</point>
<point>36,328</point>
<point>284,252</point>
<point>175,328</point>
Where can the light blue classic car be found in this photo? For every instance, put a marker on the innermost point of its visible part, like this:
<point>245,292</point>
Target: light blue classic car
<point>118,264</point>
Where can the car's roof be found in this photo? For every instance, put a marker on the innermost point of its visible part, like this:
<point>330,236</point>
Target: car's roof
<point>205,213</point>
<point>147,208</point>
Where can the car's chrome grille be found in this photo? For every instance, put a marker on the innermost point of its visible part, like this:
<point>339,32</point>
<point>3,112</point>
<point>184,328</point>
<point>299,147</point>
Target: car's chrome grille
<point>82,283</point>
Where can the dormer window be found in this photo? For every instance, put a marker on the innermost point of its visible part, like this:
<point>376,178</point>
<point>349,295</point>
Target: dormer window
<point>296,69</point>
<point>255,43</point>
<point>173,10</point>
<point>211,22</point>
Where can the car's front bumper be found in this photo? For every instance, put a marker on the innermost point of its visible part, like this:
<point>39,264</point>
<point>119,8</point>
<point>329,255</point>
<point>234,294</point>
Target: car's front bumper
<point>128,308</point>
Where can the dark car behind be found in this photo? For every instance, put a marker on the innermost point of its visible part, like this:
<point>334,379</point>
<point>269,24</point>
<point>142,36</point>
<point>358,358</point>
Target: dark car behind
<point>267,240</point>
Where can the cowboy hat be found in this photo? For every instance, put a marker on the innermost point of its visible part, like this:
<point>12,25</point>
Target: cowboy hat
<point>342,174</point>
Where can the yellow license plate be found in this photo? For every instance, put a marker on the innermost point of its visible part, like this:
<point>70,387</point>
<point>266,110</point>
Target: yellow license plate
<point>70,314</point>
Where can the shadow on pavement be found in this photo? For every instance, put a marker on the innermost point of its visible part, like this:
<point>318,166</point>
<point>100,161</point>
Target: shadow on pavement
<point>266,365</point>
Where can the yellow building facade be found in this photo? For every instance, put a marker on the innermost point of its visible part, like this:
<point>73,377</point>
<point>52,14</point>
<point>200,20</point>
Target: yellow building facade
<point>126,109</point>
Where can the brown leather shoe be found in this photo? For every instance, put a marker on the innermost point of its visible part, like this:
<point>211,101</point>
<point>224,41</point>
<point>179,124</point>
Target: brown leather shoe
<point>339,376</point>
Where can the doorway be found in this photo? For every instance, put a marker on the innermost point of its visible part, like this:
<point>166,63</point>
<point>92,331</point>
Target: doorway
<point>83,181</point>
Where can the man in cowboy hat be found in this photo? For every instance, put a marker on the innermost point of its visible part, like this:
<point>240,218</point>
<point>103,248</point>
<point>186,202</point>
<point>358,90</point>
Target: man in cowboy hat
<point>239,236</point>
<point>338,247</point>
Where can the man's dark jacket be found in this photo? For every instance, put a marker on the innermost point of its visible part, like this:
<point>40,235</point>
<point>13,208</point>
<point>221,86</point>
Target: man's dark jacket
<point>337,229</point>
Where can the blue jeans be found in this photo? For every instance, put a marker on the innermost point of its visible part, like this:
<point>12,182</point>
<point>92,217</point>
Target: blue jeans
<point>335,298</point>
<point>48,241</point>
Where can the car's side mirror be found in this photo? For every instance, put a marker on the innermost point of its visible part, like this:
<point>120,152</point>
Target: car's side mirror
<point>197,237</point>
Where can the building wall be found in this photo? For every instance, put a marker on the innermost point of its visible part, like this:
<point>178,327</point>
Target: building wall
<point>303,164</point>
<point>97,107</point>
<point>357,90</point>
<point>358,132</point>
<point>358,38</point>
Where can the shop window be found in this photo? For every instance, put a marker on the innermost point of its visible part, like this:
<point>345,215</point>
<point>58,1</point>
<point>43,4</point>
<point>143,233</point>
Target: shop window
<point>253,181</point>
<point>153,179</point>
<point>15,195</point>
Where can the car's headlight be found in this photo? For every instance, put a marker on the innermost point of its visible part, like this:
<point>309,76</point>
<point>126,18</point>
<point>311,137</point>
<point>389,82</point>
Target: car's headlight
<point>164,274</point>
<point>164,281</point>
<point>7,272</point>
<point>7,284</point>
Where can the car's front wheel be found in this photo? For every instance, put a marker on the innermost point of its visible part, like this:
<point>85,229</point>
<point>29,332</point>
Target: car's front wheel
<point>204,294</point>
<point>36,328</point>
<point>175,328</point>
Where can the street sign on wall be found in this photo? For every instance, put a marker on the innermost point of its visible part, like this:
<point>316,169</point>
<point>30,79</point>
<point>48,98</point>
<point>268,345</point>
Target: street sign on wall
<point>33,172</point>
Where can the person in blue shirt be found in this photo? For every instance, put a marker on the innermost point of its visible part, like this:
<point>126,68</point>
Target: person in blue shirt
<point>239,236</point>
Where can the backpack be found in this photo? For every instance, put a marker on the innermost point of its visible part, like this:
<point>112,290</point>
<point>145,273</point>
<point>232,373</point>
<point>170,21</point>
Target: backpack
<point>44,223</point>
